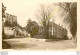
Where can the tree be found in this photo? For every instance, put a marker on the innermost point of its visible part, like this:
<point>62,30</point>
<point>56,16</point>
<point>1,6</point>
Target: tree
<point>3,16</point>
<point>3,11</point>
<point>44,16</point>
<point>32,28</point>
<point>70,9</point>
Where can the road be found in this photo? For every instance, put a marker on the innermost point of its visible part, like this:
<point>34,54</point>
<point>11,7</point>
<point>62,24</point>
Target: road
<point>39,44</point>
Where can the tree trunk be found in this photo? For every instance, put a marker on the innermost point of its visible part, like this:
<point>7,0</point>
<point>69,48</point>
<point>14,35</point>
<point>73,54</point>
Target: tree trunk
<point>75,39</point>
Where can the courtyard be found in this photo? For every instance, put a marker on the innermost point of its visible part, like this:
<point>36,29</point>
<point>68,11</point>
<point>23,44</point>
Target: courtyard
<point>39,44</point>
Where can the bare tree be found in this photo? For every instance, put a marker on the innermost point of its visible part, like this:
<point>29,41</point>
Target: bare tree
<point>70,10</point>
<point>44,16</point>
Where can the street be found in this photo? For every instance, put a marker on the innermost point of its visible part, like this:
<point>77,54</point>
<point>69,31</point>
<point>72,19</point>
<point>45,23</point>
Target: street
<point>39,44</point>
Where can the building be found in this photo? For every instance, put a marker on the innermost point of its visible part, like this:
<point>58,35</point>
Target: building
<point>54,31</point>
<point>9,32</point>
<point>9,25</point>
<point>12,28</point>
<point>10,20</point>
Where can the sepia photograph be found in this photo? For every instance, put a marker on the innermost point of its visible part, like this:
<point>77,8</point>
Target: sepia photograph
<point>39,25</point>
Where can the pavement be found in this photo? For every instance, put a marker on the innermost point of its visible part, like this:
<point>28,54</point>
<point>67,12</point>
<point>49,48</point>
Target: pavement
<point>39,44</point>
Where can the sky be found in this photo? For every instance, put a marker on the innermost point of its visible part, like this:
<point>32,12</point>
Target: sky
<point>26,9</point>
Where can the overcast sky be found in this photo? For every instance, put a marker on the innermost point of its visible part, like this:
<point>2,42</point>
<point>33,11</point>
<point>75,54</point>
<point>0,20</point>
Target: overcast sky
<point>25,9</point>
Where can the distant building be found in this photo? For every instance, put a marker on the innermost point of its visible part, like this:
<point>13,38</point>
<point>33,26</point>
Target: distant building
<point>54,31</point>
<point>15,32</point>
<point>10,26</point>
<point>9,32</point>
<point>10,20</point>
<point>25,34</point>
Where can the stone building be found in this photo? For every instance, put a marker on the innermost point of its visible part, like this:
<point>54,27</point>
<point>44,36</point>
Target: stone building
<point>12,28</point>
<point>10,20</point>
<point>9,25</point>
<point>54,31</point>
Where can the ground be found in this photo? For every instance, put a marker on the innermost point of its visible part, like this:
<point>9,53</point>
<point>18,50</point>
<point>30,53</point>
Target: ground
<point>39,44</point>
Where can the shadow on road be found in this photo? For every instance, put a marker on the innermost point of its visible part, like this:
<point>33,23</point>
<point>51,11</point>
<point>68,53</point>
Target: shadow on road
<point>5,45</point>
